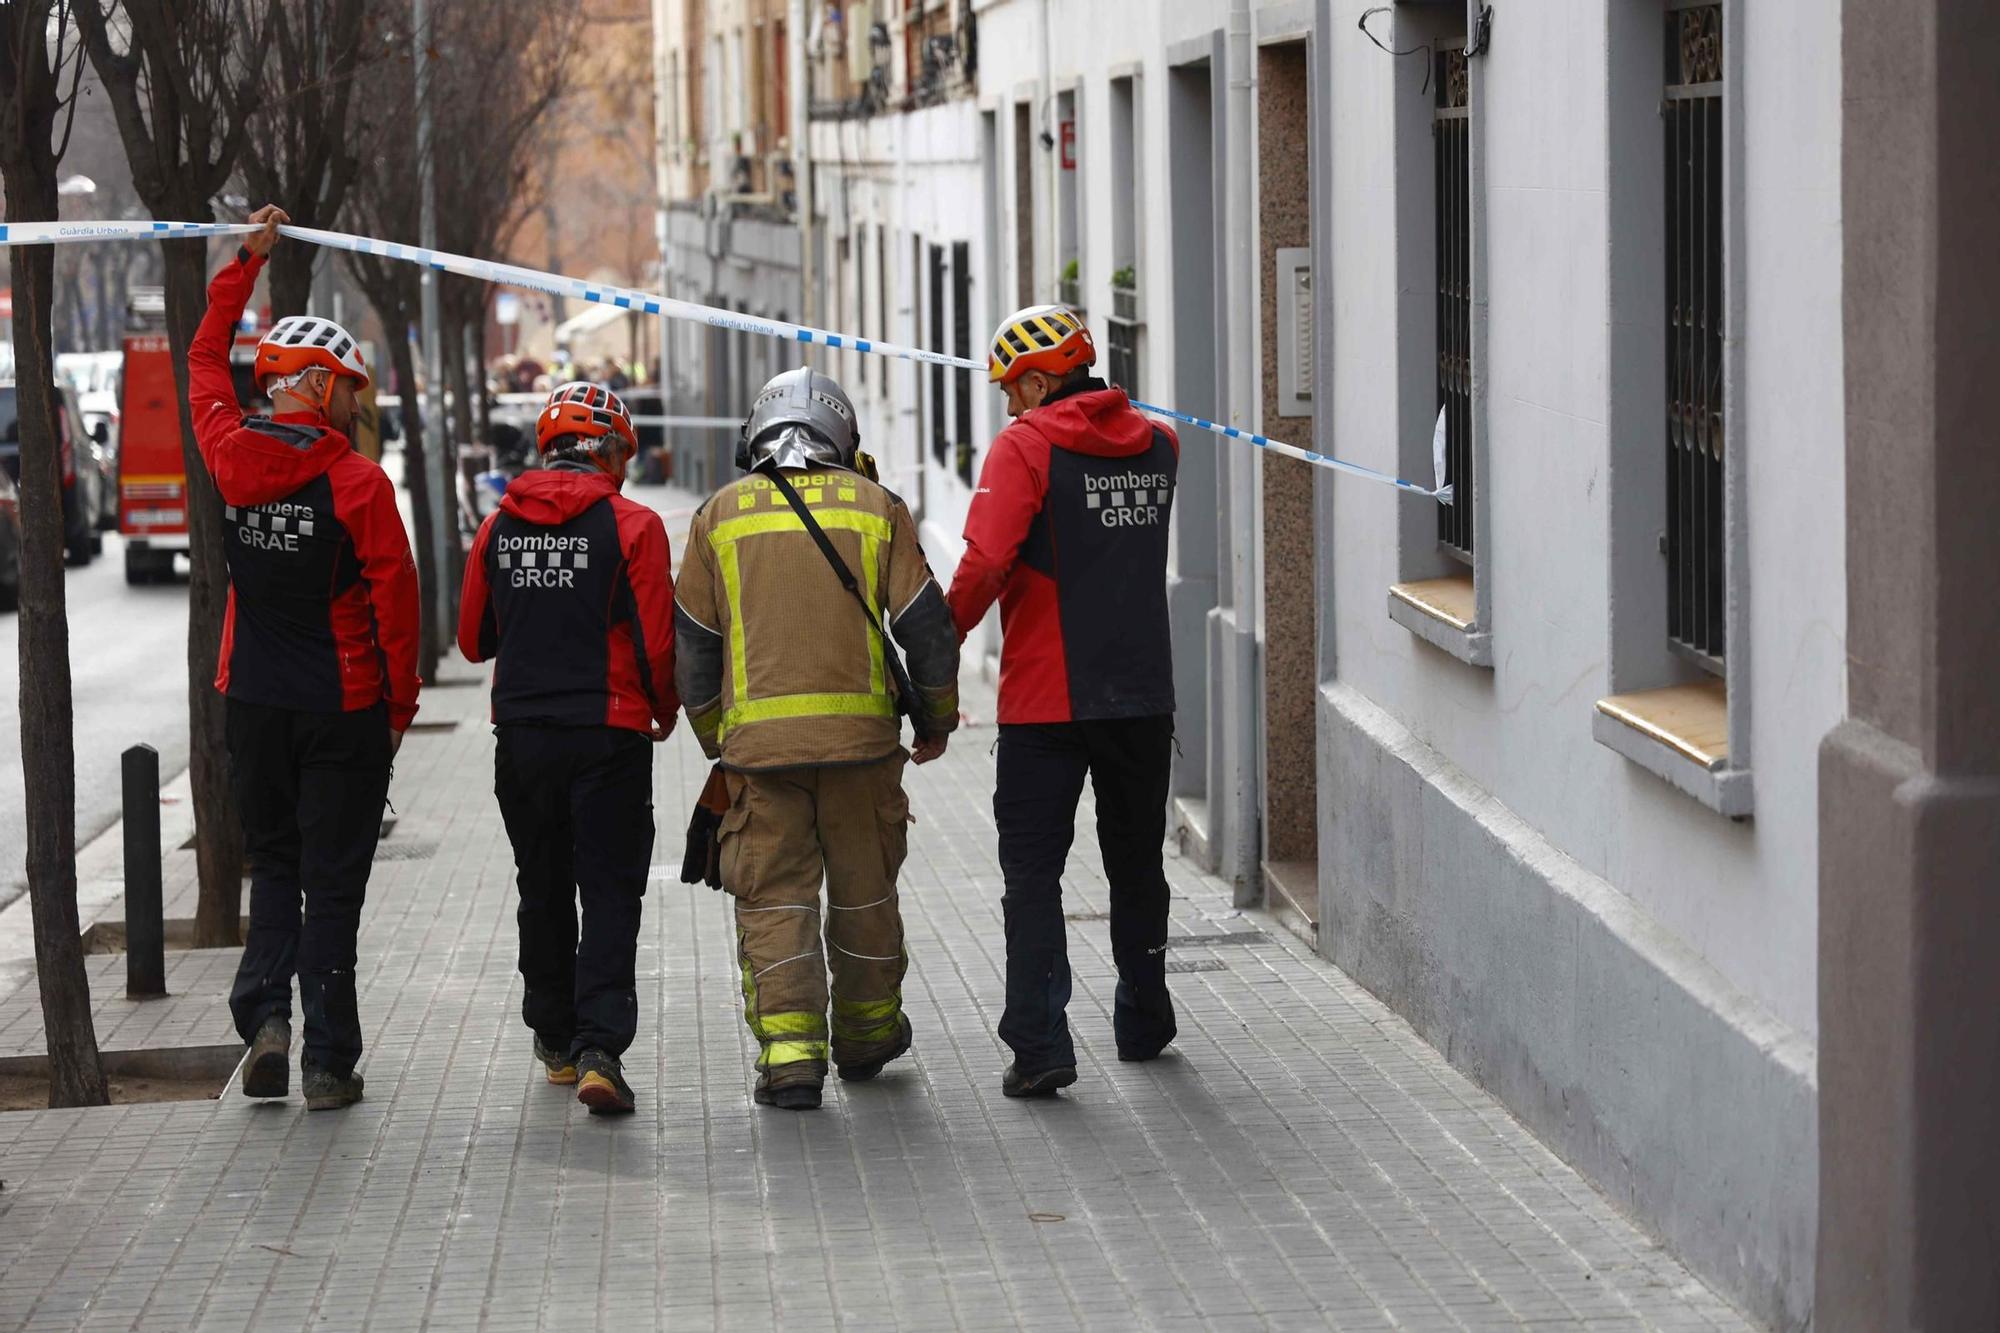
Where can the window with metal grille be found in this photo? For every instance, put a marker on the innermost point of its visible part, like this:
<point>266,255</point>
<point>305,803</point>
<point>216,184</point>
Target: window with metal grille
<point>1451,156</point>
<point>940,439</point>
<point>961,346</point>
<point>1121,353</point>
<point>1694,271</point>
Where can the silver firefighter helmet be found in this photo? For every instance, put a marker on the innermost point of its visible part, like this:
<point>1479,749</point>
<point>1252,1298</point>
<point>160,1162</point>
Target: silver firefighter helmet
<point>799,419</point>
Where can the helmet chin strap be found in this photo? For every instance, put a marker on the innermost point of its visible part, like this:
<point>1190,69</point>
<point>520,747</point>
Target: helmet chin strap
<point>291,384</point>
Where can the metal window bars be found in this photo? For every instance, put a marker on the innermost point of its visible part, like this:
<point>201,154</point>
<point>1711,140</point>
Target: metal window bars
<point>940,437</point>
<point>1451,133</point>
<point>1692,112</point>
<point>961,346</point>
<point>1122,330</point>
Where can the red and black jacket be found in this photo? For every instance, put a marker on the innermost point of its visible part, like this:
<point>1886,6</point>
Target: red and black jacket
<point>570,589</point>
<point>322,586</point>
<point>1069,530</point>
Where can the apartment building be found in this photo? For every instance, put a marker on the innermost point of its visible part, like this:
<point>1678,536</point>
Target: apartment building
<point>728,214</point>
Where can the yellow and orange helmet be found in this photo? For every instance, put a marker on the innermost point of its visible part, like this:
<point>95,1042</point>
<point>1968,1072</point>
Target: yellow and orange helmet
<point>1050,338</point>
<point>582,408</point>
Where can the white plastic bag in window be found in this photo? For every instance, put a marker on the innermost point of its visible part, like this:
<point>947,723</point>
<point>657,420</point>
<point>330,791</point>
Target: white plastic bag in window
<point>1437,460</point>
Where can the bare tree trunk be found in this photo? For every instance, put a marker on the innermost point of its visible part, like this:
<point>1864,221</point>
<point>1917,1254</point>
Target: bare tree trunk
<point>290,272</point>
<point>48,743</point>
<point>416,476</point>
<point>452,335</point>
<point>218,835</point>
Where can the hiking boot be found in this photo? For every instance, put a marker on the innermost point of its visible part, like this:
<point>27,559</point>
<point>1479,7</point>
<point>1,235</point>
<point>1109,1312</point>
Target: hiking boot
<point>268,1070</point>
<point>600,1083</point>
<point>327,1091</point>
<point>860,1071</point>
<point>1043,1084</point>
<point>791,1087</point>
<point>561,1069</point>
<point>1144,1027</point>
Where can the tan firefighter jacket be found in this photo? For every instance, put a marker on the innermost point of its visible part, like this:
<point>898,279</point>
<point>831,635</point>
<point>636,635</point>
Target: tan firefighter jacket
<point>776,665</point>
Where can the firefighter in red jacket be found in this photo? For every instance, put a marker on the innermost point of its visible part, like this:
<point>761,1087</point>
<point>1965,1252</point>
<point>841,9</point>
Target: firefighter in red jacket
<point>569,590</point>
<point>319,663</point>
<point>1068,529</point>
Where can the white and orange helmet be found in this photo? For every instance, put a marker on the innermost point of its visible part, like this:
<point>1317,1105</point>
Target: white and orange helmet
<point>298,343</point>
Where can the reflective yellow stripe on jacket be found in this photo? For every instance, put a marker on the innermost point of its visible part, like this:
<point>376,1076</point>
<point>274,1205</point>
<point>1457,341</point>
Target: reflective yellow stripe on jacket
<point>744,709</point>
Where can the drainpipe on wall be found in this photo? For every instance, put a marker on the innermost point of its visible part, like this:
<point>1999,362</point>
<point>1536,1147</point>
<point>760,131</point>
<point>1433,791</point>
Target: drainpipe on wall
<point>1241,853</point>
<point>664,116</point>
<point>1046,96</point>
<point>800,93</point>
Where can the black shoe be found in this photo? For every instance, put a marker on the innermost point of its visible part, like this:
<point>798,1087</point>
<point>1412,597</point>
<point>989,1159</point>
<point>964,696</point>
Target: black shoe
<point>1137,1053</point>
<point>600,1084</point>
<point>791,1087</point>
<point>1044,1084</point>
<point>860,1071</point>
<point>1143,1028</point>
<point>268,1070</point>
<point>328,1091</point>
<point>560,1068</point>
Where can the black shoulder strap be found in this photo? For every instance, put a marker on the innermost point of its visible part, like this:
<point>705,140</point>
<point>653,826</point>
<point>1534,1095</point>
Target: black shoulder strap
<point>906,692</point>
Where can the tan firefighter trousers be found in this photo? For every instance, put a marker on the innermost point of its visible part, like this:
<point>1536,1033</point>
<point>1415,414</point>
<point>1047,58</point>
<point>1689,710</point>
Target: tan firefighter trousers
<point>786,830</point>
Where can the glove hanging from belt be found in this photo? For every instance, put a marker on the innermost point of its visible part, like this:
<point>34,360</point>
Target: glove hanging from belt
<point>702,862</point>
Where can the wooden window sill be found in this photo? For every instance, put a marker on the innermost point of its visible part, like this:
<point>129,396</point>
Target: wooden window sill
<point>1443,613</point>
<point>1681,735</point>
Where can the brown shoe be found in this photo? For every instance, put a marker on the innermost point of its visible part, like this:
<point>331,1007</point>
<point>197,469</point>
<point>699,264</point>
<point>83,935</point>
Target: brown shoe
<point>267,1072</point>
<point>866,1064</point>
<point>791,1087</point>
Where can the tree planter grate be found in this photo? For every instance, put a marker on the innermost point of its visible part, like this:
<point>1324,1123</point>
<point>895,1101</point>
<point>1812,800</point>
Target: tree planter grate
<point>166,1074</point>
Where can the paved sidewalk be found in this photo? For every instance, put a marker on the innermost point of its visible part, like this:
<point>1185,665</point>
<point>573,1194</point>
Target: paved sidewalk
<point>1304,1161</point>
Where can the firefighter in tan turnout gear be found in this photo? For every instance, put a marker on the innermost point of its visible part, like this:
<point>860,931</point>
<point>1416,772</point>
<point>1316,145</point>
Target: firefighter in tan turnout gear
<point>788,679</point>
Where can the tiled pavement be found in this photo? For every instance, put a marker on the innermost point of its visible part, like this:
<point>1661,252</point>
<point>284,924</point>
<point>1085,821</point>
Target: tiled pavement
<point>1304,1161</point>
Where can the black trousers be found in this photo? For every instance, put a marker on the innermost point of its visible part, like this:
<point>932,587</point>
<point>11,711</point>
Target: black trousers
<point>1040,778</point>
<point>578,803</point>
<point>310,788</point>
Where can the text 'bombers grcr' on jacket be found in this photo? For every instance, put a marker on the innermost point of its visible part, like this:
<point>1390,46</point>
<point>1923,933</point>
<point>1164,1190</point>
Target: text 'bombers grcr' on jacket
<point>778,665</point>
<point>1068,528</point>
<point>322,613</point>
<point>569,589</point>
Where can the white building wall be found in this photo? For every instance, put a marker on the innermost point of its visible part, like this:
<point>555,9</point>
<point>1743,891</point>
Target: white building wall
<point>1743,894</point>
<point>919,174</point>
<point>1482,791</point>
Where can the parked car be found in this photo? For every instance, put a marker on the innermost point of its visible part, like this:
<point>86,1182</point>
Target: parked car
<point>10,544</point>
<point>85,471</point>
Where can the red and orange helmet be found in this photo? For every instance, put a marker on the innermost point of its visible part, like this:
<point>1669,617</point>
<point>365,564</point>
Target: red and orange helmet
<point>585,409</point>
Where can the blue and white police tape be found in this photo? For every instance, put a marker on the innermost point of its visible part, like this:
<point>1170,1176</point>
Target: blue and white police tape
<point>649,303</point>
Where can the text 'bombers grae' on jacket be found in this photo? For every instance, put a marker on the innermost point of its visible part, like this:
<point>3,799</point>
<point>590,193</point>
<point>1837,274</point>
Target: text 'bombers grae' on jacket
<point>1069,530</point>
<point>778,666</point>
<point>322,612</point>
<point>570,589</point>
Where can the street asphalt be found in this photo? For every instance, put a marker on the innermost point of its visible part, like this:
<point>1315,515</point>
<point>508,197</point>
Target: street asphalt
<point>128,681</point>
